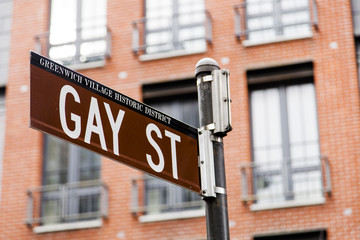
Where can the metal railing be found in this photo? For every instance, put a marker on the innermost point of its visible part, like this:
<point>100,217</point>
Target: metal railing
<point>75,56</point>
<point>139,203</point>
<point>242,29</point>
<point>66,199</point>
<point>140,32</point>
<point>250,173</point>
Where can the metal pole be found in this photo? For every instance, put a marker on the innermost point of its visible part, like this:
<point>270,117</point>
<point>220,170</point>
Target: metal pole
<point>217,222</point>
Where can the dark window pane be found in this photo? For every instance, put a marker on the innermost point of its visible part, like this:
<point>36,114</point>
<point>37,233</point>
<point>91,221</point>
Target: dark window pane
<point>69,165</point>
<point>56,165</point>
<point>90,164</point>
<point>89,204</point>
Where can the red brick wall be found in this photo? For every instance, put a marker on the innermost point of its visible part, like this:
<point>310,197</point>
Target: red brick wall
<point>337,91</point>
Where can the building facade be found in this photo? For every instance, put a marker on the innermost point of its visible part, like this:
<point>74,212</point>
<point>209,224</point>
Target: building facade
<point>292,158</point>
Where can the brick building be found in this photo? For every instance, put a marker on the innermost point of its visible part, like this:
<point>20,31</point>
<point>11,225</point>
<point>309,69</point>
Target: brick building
<point>292,159</point>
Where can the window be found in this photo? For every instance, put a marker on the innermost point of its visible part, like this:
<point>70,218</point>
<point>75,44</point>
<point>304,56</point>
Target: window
<point>5,34</point>
<point>309,235</point>
<point>71,189</point>
<point>285,141</point>
<point>78,31</point>
<point>5,27</point>
<point>355,4</point>
<point>357,42</point>
<point>174,25</point>
<point>267,20</point>
<point>2,131</point>
<point>179,100</point>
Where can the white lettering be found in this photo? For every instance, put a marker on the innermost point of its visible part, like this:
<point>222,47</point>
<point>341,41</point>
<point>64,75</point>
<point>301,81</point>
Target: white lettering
<point>75,118</point>
<point>91,128</point>
<point>160,166</point>
<point>115,126</point>
<point>174,138</point>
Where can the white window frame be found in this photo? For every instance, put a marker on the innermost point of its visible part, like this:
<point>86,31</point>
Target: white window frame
<point>84,46</point>
<point>182,28</point>
<point>276,14</point>
<point>286,171</point>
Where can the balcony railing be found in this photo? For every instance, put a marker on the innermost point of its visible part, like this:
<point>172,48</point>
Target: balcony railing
<point>79,46</point>
<point>63,203</point>
<point>268,19</point>
<point>172,34</point>
<point>308,186</point>
<point>150,196</point>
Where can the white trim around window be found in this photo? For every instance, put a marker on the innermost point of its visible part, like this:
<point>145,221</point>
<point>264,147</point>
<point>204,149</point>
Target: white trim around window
<point>171,54</point>
<point>68,226</point>
<point>172,216</point>
<point>287,204</point>
<point>278,39</point>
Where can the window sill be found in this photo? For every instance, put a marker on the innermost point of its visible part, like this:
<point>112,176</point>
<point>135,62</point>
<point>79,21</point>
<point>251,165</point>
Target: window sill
<point>172,216</point>
<point>170,54</point>
<point>288,204</point>
<point>68,226</point>
<point>250,43</point>
<point>87,65</point>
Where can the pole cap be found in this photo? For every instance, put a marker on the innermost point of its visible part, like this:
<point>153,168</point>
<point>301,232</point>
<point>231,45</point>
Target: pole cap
<point>206,65</point>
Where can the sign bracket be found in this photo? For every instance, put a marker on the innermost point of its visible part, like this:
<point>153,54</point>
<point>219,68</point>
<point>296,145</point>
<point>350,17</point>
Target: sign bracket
<point>207,173</point>
<point>215,121</point>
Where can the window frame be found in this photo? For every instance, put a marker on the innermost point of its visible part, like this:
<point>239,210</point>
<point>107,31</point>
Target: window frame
<point>175,28</point>
<point>172,45</point>
<point>355,9</point>
<point>78,61</point>
<point>69,187</point>
<point>242,31</point>
<point>5,16</point>
<point>276,14</point>
<point>289,75</point>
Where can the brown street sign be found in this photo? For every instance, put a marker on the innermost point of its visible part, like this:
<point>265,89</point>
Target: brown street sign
<point>73,107</point>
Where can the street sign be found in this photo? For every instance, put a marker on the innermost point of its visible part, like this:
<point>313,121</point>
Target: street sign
<point>71,106</point>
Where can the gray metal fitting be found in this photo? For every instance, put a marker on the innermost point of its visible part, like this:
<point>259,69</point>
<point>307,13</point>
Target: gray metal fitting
<point>206,65</point>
